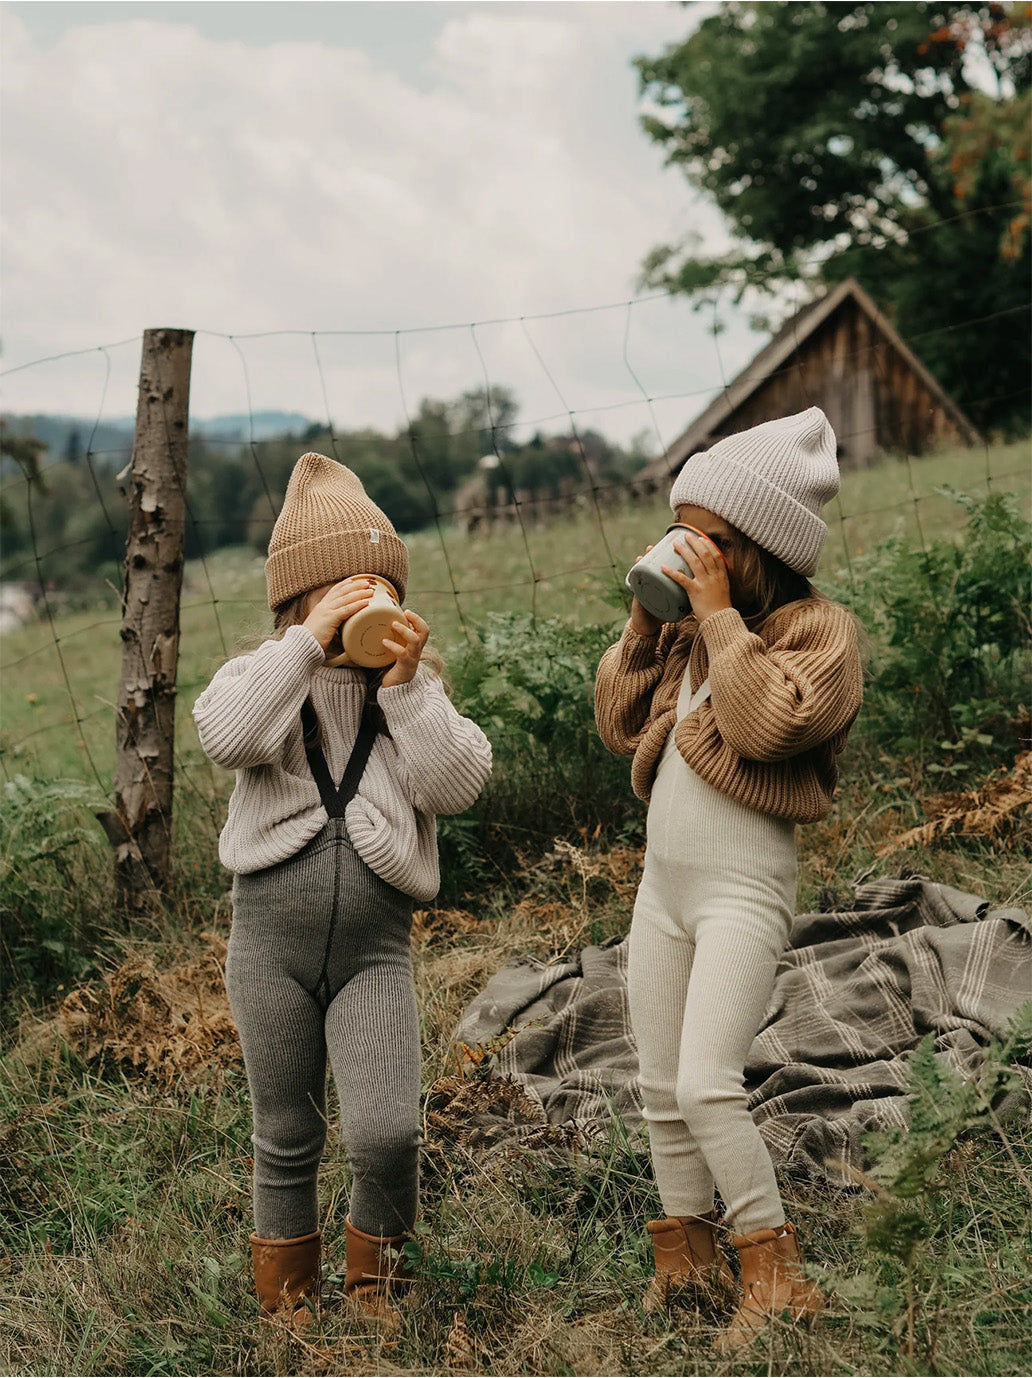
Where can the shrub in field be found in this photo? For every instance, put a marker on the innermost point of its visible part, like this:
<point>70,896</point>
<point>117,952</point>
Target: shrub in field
<point>52,885</point>
<point>919,1240</point>
<point>530,686</point>
<point>951,633</point>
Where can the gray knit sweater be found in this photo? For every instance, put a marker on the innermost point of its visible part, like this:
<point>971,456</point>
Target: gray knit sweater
<point>249,720</point>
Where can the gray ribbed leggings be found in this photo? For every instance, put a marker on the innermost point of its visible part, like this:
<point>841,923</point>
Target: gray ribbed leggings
<point>319,962</point>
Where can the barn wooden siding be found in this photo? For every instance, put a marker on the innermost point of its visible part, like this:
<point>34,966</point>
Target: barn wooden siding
<point>842,355</point>
<point>872,395</point>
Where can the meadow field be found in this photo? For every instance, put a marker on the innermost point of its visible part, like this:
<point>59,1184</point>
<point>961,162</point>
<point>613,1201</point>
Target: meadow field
<point>61,682</point>
<point>124,1124</point>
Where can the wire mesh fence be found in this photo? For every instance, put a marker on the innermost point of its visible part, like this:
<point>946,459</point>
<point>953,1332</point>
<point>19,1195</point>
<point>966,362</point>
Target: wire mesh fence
<point>562,556</point>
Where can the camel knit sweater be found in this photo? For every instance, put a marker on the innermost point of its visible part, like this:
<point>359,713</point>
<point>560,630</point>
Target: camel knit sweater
<point>781,703</point>
<point>431,760</point>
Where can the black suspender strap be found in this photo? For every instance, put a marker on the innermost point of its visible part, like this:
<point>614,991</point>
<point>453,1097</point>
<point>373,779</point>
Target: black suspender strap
<point>336,798</point>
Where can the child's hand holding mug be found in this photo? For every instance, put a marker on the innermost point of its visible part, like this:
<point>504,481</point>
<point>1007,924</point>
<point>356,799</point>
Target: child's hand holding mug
<point>705,581</point>
<point>407,646</point>
<point>334,604</point>
<point>358,622</point>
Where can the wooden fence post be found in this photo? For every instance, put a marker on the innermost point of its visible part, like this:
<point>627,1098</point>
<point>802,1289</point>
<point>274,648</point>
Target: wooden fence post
<point>140,828</point>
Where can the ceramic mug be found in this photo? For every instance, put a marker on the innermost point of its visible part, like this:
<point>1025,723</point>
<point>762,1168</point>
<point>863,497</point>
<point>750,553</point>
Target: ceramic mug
<point>363,634</point>
<point>656,591</point>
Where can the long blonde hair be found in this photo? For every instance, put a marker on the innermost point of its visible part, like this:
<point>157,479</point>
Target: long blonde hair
<point>761,582</point>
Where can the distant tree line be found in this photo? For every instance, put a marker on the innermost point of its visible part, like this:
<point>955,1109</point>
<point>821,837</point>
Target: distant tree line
<point>63,519</point>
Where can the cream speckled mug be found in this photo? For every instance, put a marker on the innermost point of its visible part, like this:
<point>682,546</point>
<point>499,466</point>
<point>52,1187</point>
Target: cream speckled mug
<point>363,634</point>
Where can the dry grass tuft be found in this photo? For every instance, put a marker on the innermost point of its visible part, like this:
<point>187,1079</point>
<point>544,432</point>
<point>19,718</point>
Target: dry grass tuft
<point>440,925</point>
<point>125,1174</point>
<point>171,1025</point>
<point>990,811</point>
<point>461,1352</point>
<point>466,1109</point>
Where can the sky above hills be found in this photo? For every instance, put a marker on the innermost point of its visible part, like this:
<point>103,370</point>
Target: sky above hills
<point>330,169</point>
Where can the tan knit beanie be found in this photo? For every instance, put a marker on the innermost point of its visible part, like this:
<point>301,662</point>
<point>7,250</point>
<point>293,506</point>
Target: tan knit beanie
<point>771,482</point>
<point>328,529</point>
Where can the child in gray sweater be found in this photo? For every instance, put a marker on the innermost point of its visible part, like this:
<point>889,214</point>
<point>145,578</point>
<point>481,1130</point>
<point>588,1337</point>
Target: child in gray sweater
<point>325,876</point>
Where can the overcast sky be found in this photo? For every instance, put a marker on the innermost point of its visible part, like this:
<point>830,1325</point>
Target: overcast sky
<point>344,167</point>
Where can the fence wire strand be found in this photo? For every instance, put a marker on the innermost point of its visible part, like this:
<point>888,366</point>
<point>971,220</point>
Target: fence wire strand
<point>594,491</point>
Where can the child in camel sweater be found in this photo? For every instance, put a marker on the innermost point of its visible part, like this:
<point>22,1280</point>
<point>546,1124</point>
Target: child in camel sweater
<point>735,718</point>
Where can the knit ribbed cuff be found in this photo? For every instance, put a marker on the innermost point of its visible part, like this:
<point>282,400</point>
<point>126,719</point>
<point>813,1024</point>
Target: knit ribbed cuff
<point>303,646</point>
<point>723,630</point>
<point>638,652</point>
<point>403,704</point>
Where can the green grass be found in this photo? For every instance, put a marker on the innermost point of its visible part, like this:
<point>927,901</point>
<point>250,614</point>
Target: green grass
<point>125,1196</point>
<point>60,683</point>
<point>126,1204</point>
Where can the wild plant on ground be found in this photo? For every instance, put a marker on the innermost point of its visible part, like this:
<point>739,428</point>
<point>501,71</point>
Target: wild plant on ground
<point>48,842</point>
<point>530,685</point>
<point>949,677</point>
<point>911,1225</point>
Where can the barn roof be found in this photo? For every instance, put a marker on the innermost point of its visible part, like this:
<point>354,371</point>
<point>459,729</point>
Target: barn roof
<point>774,355</point>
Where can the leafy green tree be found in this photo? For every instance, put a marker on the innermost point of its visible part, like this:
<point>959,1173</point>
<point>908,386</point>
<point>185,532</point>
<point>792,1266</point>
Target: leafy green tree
<point>57,529</point>
<point>485,416</point>
<point>234,491</point>
<point>73,450</point>
<point>221,489</point>
<point>847,139</point>
<point>433,459</point>
<point>391,477</point>
<point>13,537</point>
<point>26,451</point>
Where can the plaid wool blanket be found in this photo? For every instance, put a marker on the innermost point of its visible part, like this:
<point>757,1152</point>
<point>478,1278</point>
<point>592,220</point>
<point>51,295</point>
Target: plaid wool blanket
<point>855,993</point>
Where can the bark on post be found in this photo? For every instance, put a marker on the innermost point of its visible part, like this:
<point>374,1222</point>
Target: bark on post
<point>140,828</point>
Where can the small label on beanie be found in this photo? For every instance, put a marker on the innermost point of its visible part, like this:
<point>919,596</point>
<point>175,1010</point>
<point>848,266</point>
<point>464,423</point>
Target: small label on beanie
<point>374,536</point>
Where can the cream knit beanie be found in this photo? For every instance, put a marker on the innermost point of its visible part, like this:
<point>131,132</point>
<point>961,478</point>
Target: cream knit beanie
<point>328,529</point>
<point>771,482</point>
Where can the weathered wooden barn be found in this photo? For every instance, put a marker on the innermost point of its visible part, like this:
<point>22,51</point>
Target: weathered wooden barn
<point>838,353</point>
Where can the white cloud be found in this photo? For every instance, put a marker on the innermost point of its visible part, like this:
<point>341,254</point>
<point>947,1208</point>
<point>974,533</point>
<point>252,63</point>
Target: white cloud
<point>153,175</point>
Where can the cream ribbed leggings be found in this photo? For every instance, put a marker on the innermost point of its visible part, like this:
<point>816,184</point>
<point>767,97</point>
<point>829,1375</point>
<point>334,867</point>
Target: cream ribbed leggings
<point>711,920</point>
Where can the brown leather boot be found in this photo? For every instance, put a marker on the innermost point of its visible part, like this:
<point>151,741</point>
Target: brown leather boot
<point>376,1273</point>
<point>286,1274</point>
<point>687,1254</point>
<point>774,1285</point>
